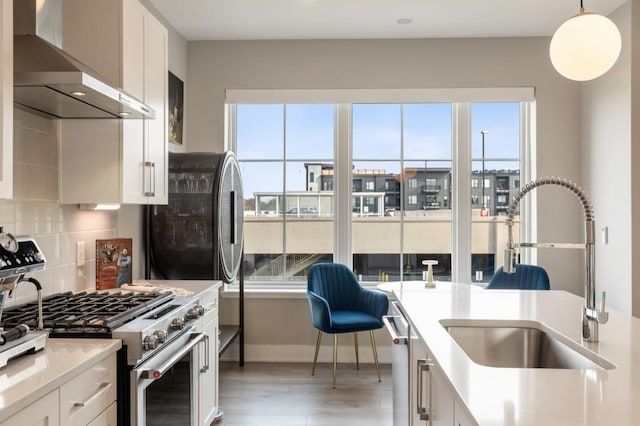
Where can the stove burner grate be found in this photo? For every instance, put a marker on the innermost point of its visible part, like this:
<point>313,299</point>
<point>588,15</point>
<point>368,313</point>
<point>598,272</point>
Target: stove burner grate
<point>84,313</point>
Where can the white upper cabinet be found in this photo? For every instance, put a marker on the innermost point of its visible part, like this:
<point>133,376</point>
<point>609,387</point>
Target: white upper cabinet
<point>117,161</point>
<point>6,96</point>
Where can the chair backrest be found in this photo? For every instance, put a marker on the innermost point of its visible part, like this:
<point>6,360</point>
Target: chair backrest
<point>526,277</point>
<point>336,283</point>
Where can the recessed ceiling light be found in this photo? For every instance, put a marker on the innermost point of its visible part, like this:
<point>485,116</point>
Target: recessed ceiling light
<point>77,93</point>
<point>124,114</point>
<point>404,21</point>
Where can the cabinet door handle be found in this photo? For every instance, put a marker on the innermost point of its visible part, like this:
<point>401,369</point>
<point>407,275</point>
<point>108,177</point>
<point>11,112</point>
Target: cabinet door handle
<point>423,411</point>
<point>151,166</point>
<point>103,387</point>
<point>205,367</point>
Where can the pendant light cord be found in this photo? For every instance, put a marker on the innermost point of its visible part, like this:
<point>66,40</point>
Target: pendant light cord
<point>581,7</point>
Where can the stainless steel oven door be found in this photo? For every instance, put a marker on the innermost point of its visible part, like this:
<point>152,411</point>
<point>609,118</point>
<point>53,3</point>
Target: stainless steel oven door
<point>164,387</point>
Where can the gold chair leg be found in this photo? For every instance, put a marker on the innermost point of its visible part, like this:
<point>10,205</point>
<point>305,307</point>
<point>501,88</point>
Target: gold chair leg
<point>335,357</point>
<point>315,358</point>
<point>355,344</point>
<point>375,353</point>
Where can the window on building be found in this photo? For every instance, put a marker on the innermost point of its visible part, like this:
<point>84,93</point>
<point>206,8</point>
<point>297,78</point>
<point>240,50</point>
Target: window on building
<point>393,230</point>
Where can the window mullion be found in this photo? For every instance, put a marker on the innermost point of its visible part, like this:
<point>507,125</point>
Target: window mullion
<point>461,209</point>
<point>342,190</point>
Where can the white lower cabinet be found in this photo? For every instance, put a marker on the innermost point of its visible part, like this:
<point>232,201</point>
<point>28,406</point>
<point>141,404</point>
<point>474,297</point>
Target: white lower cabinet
<point>440,398</point>
<point>84,397</point>
<point>462,416</point>
<point>45,411</point>
<point>108,417</point>
<point>89,398</point>
<point>433,401</point>
<point>208,382</point>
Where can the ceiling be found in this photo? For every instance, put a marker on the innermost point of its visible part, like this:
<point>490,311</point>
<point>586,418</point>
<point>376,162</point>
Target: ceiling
<point>370,19</point>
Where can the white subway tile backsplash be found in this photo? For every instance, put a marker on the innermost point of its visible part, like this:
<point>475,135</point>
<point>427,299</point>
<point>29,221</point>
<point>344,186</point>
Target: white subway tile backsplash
<point>35,211</point>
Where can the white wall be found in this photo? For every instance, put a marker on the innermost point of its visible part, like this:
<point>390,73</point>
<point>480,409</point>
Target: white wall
<point>214,66</point>
<point>635,154</point>
<point>607,172</point>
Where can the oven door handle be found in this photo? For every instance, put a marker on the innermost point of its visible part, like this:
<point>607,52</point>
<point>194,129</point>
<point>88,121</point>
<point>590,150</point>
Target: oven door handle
<point>156,373</point>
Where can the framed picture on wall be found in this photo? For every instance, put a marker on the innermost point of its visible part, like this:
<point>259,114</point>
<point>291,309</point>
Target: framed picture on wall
<point>176,108</point>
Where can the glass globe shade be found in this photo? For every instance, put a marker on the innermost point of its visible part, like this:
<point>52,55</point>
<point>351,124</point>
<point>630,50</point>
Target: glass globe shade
<point>585,47</point>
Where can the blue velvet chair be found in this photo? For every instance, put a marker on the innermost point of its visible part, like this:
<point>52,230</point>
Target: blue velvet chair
<point>339,304</point>
<point>526,277</point>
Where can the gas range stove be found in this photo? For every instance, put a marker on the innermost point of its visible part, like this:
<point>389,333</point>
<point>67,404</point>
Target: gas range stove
<point>145,322</point>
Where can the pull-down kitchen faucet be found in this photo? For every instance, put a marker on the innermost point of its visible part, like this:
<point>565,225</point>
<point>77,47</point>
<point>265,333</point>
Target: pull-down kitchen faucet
<point>591,317</point>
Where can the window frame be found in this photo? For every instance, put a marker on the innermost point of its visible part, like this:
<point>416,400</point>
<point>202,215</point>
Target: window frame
<point>460,100</point>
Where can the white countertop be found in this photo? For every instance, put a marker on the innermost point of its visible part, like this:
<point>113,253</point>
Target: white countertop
<point>27,378</point>
<point>410,286</point>
<point>511,396</point>
<point>195,286</point>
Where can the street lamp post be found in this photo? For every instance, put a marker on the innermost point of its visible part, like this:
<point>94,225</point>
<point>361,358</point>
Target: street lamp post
<point>484,205</point>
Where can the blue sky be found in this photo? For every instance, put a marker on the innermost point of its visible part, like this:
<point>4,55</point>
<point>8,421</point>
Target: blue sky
<point>377,132</point>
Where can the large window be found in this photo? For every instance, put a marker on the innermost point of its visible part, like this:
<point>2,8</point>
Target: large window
<point>388,201</point>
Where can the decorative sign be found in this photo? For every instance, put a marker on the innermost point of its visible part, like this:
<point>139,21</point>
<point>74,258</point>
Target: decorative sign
<point>113,263</point>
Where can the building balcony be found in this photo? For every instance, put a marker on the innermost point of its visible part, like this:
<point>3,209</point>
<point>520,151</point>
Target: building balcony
<point>430,189</point>
<point>429,206</point>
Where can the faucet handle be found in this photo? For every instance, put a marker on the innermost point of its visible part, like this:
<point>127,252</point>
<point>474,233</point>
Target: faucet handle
<point>598,315</point>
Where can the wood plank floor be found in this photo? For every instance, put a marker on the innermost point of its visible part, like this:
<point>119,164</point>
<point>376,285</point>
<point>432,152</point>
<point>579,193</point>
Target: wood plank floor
<point>286,394</point>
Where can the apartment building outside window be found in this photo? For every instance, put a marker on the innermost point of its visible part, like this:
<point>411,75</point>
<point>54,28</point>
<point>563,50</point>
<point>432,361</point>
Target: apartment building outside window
<point>295,171</point>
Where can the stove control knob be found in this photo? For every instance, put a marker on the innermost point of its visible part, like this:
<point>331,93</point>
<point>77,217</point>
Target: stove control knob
<point>161,335</point>
<point>194,313</point>
<point>200,309</point>
<point>150,342</point>
<point>39,257</point>
<point>177,324</point>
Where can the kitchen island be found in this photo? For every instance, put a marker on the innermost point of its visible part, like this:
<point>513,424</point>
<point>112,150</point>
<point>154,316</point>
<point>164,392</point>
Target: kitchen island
<point>528,396</point>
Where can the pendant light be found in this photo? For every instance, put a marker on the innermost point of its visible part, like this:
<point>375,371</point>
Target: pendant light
<point>585,46</point>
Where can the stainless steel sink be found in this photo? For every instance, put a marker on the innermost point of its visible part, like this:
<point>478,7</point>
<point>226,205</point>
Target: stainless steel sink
<point>510,344</point>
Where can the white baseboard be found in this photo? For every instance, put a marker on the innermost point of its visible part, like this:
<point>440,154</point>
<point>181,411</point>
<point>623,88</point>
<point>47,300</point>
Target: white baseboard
<point>304,353</point>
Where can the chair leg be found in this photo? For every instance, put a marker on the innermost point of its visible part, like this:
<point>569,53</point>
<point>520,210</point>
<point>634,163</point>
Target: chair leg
<point>375,353</point>
<point>355,344</point>
<point>335,357</point>
<point>315,358</point>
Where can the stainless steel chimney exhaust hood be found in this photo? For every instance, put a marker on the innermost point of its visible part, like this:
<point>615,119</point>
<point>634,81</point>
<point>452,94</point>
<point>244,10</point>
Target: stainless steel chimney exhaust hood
<point>50,82</point>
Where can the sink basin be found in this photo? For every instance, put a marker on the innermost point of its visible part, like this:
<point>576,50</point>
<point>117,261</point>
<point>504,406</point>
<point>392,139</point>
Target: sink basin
<point>510,344</point>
